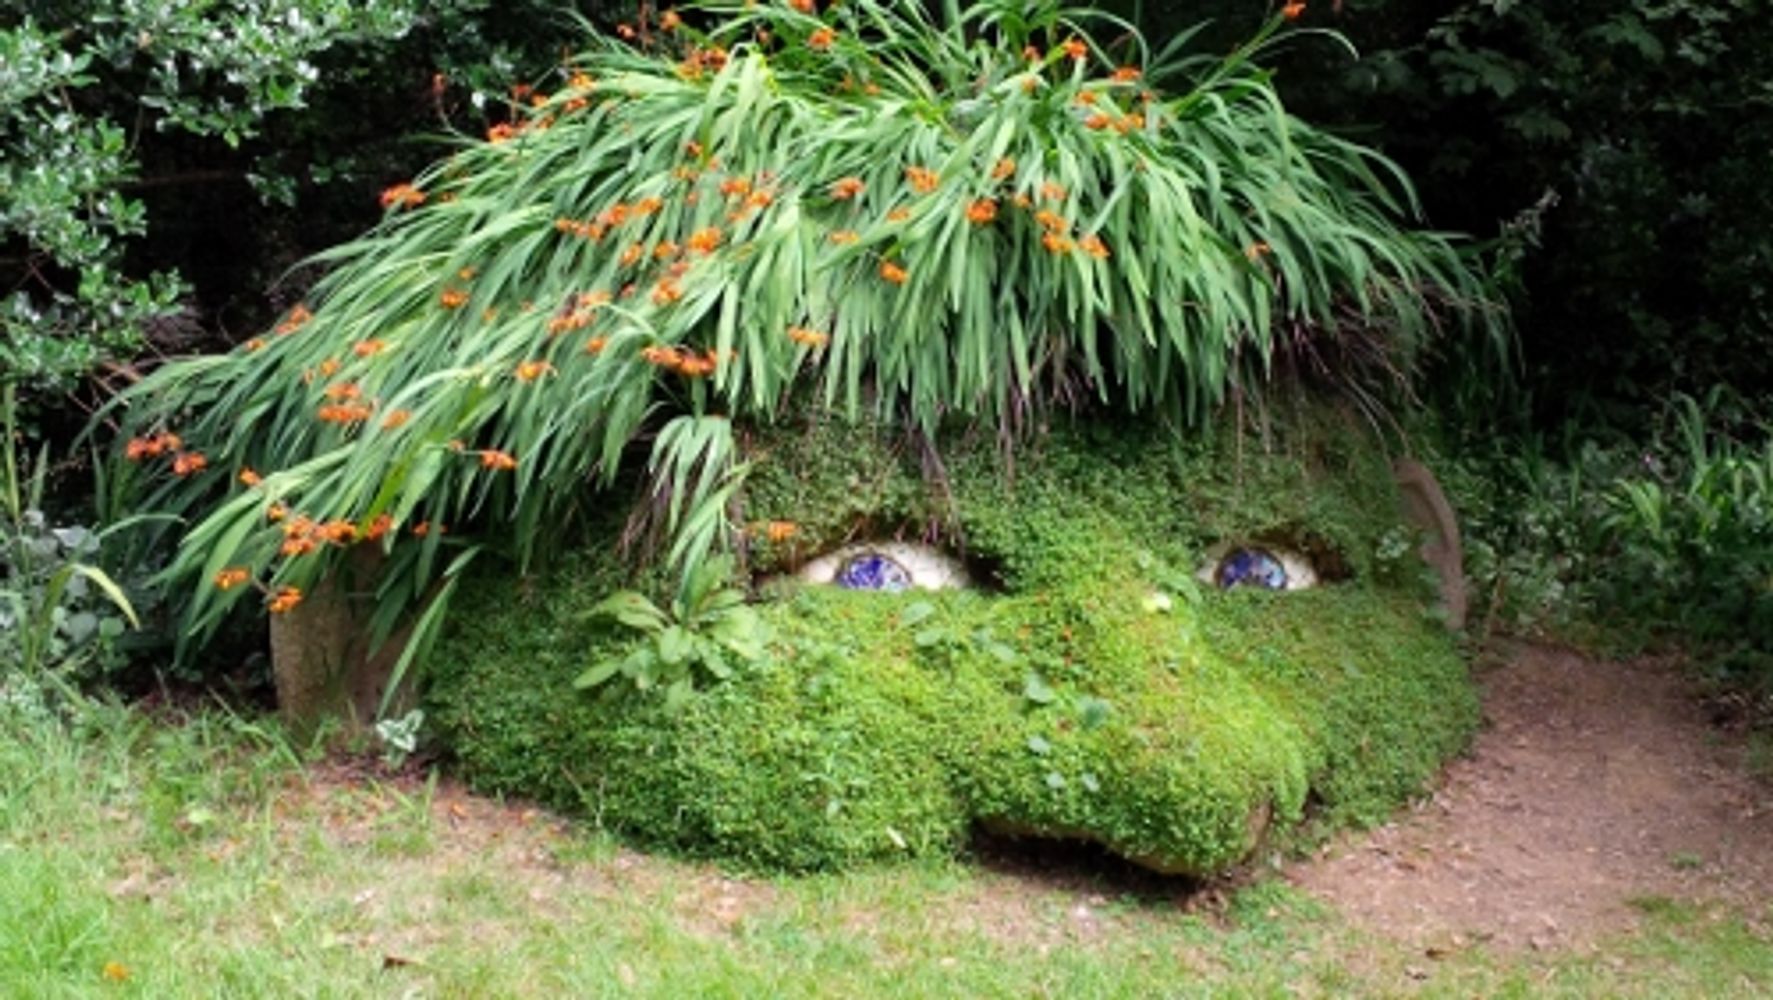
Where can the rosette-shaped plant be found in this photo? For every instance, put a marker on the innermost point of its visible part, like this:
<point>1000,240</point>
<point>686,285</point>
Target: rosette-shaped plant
<point>956,216</point>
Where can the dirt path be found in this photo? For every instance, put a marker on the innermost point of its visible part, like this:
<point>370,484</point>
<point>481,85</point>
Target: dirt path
<point>1594,785</point>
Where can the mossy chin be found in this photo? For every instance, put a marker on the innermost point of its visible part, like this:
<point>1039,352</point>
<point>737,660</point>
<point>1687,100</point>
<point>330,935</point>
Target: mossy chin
<point>1097,691</point>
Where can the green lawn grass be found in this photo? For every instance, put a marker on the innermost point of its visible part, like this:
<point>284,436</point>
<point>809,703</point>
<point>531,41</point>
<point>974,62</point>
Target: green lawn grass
<point>208,858</point>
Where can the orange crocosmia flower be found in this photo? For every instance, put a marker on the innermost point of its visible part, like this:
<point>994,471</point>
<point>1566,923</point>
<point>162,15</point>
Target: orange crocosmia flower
<point>982,212</point>
<point>1126,74</point>
<point>1292,11</point>
<point>811,338</point>
<point>255,344</point>
<point>893,272</point>
<point>276,512</point>
<point>1004,169</point>
<point>1097,121</point>
<point>625,30</point>
<point>1051,221</point>
<point>402,196</point>
<point>297,318</point>
<point>666,292</point>
<point>704,240</point>
<point>115,972</point>
<point>466,273</point>
<point>152,446</point>
<point>736,187</point>
<point>1031,53</point>
<point>1256,251</point>
<point>343,390</point>
<point>344,413</point>
<point>760,199</point>
<point>500,132</point>
<point>1093,245</point>
<point>529,371</point>
<point>497,460</point>
<point>378,527</point>
<point>670,21</point>
<point>845,188</point>
<point>596,345</point>
<point>1056,243</point>
<point>284,600</point>
<point>614,215</point>
<point>665,250</point>
<point>821,39</point>
<point>232,577</point>
<point>780,531</point>
<point>899,214</point>
<point>396,419</point>
<point>453,298</point>
<point>1052,191</point>
<point>648,205</point>
<point>922,179</point>
<point>249,478</point>
<point>843,237</point>
<point>581,81</point>
<point>188,463</point>
<point>1076,49</point>
<point>1129,123</point>
<point>297,545</point>
<point>632,254</point>
<point>1085,97</point>
<point>804,6</point>
<point>369,348</point>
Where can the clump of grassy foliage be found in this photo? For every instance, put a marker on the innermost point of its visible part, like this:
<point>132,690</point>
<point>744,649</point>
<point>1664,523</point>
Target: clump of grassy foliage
<point>1062,702</point>
<point>964,213</point>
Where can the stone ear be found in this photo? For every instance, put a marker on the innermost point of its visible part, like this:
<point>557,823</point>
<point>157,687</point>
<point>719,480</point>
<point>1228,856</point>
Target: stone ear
<point>1425,507</point>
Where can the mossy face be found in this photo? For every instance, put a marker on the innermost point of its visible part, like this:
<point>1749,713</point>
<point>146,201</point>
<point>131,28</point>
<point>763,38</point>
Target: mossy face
<point>1095,690</point>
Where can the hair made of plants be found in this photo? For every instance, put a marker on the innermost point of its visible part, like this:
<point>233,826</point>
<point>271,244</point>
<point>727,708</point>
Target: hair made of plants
<point>930,216</point>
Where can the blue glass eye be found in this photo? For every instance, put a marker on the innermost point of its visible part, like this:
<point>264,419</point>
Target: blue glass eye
<point>1251,568</point>
<point>873,571</point>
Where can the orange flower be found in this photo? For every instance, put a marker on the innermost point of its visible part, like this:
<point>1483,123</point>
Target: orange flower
<point>284,600</point>
<point>1052,191</point>
<point>899,214</point>
<point>845,188</point>
<point>760,200</point>
<point>1292,11</point>
<point>843,237</point>
<point>596,345</point>
<point>396,419</point>
<point>1004,169</point>
<point>1056,243</point>
<point>529,371</point>
<point>276,512</point>
<point>811,338</point>
<point>1031,53</point>
<point>780,531</point>
<point>249,478</point>
<point>255,344</point>
<point>893,272</point>
<point>402,196</point>
<point>632,254</point>
<point>187,463</point>
<point>821,39</point>
<point>232,577</point>
<point>1093,245</point>
<point>369,348</point>
<point>1086,97</point>
<point>666,292</point>
<point>344,413</point>
<point>736,187</point>
<point>466,273</point>
<point>923,180</point>
<point>804,6</point>
<point>1051,221</point>
<point>342,391</point>
<point>424,528</point>
<point>670,21</point>
<point>1126,74</point>
<point>378,527</point>
<point>704,240</point>
<point>115,972</point>
<point>500,132</point>
<point>497,460</point>
<point>1097,121</point>
<point>1257,251</point>
<point>152,446</point>
<point>665,250</point>
<point>1076,49</point>
<point>453,298</point>
<point>296,319</point>
<point>648,205</point>
<point>982,212</point>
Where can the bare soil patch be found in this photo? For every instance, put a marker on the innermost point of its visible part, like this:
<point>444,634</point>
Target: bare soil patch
<point>1594,785</point>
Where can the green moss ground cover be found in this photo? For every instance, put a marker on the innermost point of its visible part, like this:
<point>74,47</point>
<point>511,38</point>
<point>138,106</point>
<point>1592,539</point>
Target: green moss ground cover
<point>1057,701</point>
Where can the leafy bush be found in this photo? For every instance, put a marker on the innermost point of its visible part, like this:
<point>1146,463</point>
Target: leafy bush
<point>973,217</point>
<point>1067,704</point>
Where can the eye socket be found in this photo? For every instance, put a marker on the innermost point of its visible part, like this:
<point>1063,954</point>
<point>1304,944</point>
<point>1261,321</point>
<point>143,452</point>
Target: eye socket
<point>1260,567</point>
<point>887,567</point>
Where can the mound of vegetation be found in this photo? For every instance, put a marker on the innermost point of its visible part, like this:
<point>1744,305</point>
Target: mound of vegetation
<point>1095,690</point>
